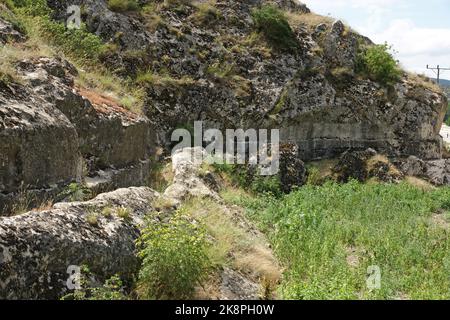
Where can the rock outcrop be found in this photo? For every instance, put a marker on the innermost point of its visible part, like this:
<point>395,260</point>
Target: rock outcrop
<point>293,172</point>
<point>210,69</point>
<point>39,147</point>
<point>436,172</point>
<point>8,32</point>
<point>54,133</point>
<point>206,62</point>
<point>364,165</point>
<point>37,248</point>
<point>187,181</point>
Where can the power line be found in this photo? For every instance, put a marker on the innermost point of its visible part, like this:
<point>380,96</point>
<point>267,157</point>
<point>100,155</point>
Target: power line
<point>438,73</point>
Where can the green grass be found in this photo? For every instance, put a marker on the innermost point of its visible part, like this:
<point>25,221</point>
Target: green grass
<point>316,231</point>
<point>123,5</point>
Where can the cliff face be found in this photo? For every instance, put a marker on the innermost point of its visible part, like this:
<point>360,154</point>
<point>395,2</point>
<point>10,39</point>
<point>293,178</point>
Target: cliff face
<point>205,61</point>
<point>202,60</point>
<point>54,133</point>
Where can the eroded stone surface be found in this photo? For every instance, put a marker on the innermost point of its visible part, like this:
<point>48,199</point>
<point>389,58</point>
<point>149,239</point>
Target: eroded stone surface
<point>313,95</point>
<point>37,248</point>
<point>52,132</point>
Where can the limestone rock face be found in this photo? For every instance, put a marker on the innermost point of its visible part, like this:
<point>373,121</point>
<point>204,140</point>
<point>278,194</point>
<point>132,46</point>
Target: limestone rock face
<point>187,181</point>
<point>37,248</point>
<point>8,32</point>
<point>53,132</point>
<point>213,70</point>
<point>38,144</point>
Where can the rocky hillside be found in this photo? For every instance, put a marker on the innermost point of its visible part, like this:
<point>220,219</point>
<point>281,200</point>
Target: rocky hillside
<point>173,62</point>
<point>86,111</point>
<point>211,60</point>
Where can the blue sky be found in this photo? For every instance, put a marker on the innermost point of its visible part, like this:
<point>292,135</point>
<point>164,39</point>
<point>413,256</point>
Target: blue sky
<point>418,30</point>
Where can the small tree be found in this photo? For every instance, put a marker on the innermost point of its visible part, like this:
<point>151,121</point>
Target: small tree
<point>379,64</point>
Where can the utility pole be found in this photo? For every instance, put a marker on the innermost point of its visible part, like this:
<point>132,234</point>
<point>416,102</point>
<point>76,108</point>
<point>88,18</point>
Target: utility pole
<point>438,73</point>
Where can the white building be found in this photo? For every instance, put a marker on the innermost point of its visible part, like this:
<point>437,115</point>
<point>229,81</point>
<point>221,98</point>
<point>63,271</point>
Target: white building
<point>445,133</point>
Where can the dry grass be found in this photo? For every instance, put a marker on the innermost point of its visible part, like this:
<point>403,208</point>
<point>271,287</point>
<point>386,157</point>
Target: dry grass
<point>420,183</point>
<point>44,206</point>
<point>164,204</point>
<point>101,85</point>
<point>260,262</point>
<point>441,220</point>
<point>161,177</point>
<point>311,20</point>
<point>373,163</point>
<point>424,82</point>
<point>10,54</point>
<point>237,244</point>
<point>92,219</point>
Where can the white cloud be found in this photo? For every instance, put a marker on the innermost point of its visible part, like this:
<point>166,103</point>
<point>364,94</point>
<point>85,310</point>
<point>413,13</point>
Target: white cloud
<point>417,46</point>
<point>383,20</point>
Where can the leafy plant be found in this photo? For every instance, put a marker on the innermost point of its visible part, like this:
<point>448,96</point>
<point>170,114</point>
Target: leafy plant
<point>35,15</point>
<point>174,258</point>
<point>378,64</point>
<point>75,192</point>
<point>273,23</point>
<point>112,289</point>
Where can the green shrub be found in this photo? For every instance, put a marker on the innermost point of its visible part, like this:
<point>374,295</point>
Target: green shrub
<point>267,185</point>
<point>32,7</point>
<point>174,258</point>
<point>248,178</point>
<point>123,5</point>
<point>77,43</point>
<point>112,289</point>
<point>378,64</point>
<point>272,22</point>
<point>314,178</point>
<point>74,192</point>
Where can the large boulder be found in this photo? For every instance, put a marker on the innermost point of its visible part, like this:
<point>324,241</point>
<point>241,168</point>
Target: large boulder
<point>438,172</point>
<point>188,182</point>
<point>38,145</point>
<point>364,165</point>
<point>37,248</point>
<point>54,133</point>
